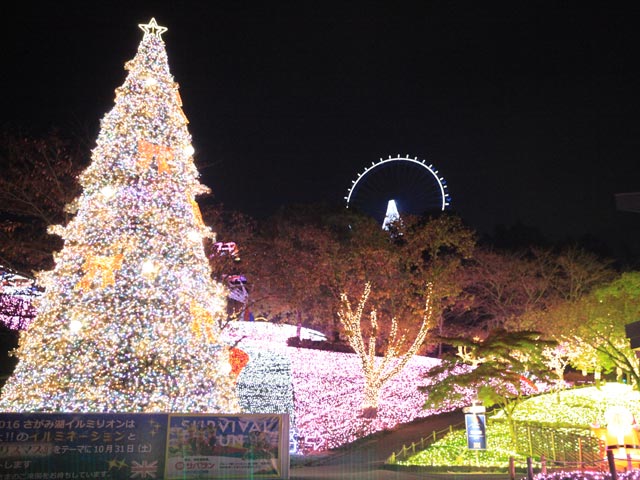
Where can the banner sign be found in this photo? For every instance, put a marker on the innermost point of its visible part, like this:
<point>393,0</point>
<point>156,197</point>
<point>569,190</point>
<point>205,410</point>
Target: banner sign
<point>227,446</point>
<point>476,431</point>
<point>47,446</point>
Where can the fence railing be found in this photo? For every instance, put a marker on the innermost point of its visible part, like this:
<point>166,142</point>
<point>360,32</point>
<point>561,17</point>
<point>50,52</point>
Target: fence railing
<point>421,444</point>
<point>559,445</point>
<point>566,447</point>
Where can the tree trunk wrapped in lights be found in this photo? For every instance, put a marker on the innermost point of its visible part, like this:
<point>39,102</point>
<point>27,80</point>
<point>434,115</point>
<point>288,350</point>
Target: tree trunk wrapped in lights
<point>378,371</point>
<point>130,318</point>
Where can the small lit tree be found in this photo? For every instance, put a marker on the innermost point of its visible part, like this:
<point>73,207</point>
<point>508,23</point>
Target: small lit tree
<point>557,358</point>
<point>378,371</point>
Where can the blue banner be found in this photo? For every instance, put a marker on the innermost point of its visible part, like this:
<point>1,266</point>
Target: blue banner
<point>48,446</point>
<point>476,431</point>
<point>90,445</point>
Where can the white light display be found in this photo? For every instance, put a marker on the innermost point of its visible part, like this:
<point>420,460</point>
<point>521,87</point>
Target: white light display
<point>378,370</point>
<point>129,320</point>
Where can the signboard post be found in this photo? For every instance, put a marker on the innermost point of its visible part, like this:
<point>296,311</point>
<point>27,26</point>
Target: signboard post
<point>632,331</point>
<point>475,422</point>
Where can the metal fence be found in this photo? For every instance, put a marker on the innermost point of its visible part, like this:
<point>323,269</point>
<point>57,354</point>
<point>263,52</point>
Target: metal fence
<point>558,447</point>
<point>422,444</point>
<point>566,445</point>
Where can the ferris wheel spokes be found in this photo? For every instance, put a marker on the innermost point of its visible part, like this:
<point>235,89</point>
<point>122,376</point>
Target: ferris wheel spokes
<point>413,185</point>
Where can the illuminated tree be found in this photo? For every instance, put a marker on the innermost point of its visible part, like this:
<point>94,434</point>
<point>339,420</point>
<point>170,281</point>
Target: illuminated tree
<point>495,367</point>
<point>378,370</point>
<point>596,323</point>
<point>557,358</point>
<point>129,320</point>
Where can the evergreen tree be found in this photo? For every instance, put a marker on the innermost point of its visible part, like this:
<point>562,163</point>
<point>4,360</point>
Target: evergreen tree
<point>130,319</point>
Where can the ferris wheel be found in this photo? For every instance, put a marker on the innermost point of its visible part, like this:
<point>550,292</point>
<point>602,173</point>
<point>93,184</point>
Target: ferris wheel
<point>411,185</point>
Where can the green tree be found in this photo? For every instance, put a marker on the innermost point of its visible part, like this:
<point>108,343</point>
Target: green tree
<point>597,320</point>
<point>495,367</point>
<point>434,251</point>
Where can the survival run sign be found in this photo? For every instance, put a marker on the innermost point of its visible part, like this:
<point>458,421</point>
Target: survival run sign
<point>47,446</point>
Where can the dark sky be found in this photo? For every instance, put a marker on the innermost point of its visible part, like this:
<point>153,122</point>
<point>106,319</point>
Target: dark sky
<point>528,109</point>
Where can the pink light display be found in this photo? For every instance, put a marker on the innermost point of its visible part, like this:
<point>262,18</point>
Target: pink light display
<point>16,312</point>
<point>16,296</point>
<point>586,475</point>
<point>327,388</point>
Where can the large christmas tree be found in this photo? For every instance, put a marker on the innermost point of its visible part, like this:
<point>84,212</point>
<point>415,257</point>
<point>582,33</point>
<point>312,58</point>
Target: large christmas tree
<point>130,319</point>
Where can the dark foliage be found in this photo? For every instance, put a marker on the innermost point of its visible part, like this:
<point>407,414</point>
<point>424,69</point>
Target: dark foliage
<point>319,345</point>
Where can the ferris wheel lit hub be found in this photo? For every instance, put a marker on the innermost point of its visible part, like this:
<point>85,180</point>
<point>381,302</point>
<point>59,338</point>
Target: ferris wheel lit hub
<point>391,216</point>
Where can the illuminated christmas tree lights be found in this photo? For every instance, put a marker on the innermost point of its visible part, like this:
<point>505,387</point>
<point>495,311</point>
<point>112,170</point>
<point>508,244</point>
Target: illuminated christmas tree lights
<point>378,371</point>
<point>130,318</point>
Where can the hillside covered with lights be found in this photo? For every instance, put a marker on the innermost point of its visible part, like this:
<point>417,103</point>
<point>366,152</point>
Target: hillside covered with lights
<point>323,391</point>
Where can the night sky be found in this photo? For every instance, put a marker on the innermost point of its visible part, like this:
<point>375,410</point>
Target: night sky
<point>528,109</point>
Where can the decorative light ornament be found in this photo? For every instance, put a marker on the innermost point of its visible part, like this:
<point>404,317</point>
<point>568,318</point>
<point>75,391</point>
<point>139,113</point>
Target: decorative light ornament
<point>194,236</point>
<point>108,191</point>
<point>149,152</point>
<point>102,266</point>
<point>196,211</point>
<point>75,326</point>
<point>225,368</point>
<point>152,28</point>
<point>149,269</point>
<point>391,216</point>
<point>189,150</point>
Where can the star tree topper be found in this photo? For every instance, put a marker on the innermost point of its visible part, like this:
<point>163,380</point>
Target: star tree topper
<point>152,28</point>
